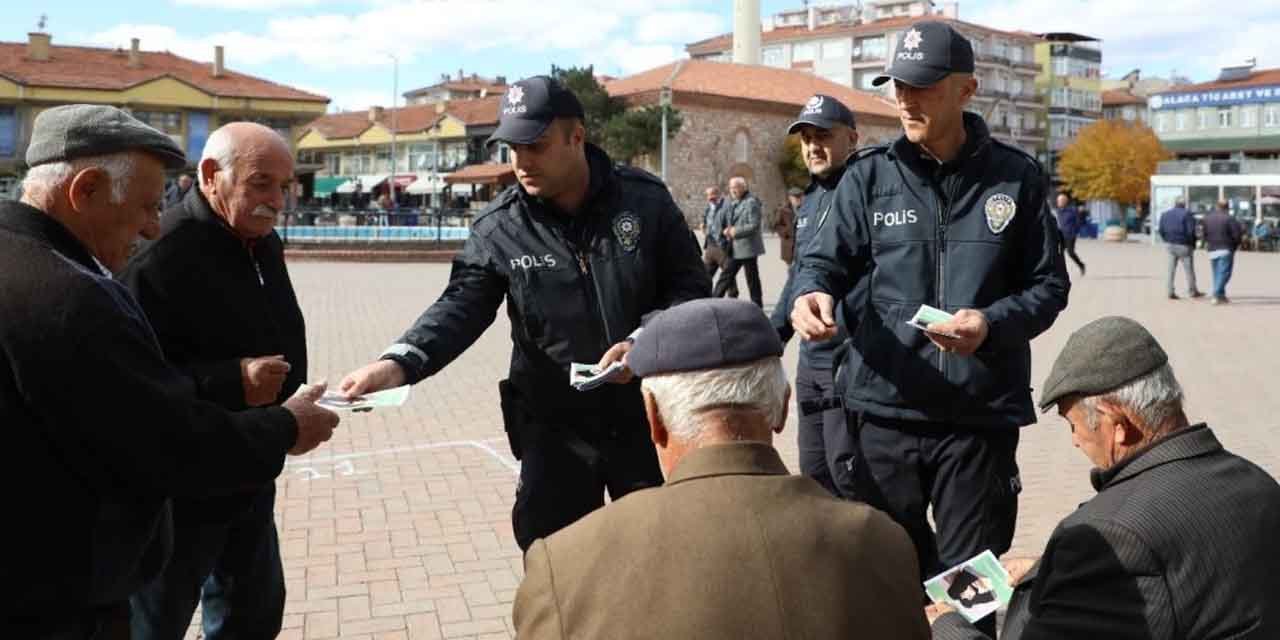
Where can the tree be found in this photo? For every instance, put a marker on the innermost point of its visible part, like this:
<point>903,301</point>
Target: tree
<point>1112,160</point>
<point>624,133</point>
<point>794,171</point>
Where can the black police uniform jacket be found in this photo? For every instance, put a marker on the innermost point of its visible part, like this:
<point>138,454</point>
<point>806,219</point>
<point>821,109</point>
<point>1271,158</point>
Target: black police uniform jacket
<point>100,432</point>
<point>212,299</point>
<point>574,285</point>
<point>974,233</point>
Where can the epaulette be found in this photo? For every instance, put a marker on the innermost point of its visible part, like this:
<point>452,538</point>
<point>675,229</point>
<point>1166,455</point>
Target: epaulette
<point>632,173</point>
<point>867,152</point>
<point>1018,150</point>
<point>499,202</point>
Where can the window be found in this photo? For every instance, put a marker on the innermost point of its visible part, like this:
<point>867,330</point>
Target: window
<point>169,122</point>
<point>773,57</point>
<point>1181,118</point>
<point>871,49</point>
<point>1162,122</point>
<point>1015,53</point>
<point>1061,67</point>
<point>333,164</point>
<point>1248,116</point>
<point>741,147</point>
<point>8,132</point>
<point>835,49</point>
<point>1202,119</point>
<point>802,52</point>
<point>1015,87</point>
<point>865,78</point>
<point>1224,117</point>
<point>1060,98</point>
<point>422,157</point>
<point>1273,116</point>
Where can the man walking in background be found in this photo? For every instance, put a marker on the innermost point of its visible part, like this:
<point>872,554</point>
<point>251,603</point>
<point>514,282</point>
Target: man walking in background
<point>1178,231</point>
<point>742,225</point>
<point>1222,235</point>
<point>1069,224</point>
<point>716,247</point>
<point>784,224</point>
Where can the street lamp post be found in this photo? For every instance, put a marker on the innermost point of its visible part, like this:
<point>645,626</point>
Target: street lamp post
<point>665,102</point>
<point>395,96</point>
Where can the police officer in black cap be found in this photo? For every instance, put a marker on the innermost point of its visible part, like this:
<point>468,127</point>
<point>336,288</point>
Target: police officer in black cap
<point>580,249</point>
<point>949,217</point>
<point>828,135</point>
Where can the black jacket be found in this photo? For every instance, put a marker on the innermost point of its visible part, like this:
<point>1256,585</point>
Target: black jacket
<point>1179,543</point>
<point>1222,231</point>
<point>809,219</point>
<point>213,301</point>
<point>100,431</point>
<point>974,233</point>
<point>574,285</point>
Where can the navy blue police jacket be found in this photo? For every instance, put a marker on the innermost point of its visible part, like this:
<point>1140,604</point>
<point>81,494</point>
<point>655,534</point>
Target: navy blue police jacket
<point>810,216</point>
<point>574,286</point>
<point>973,233</point>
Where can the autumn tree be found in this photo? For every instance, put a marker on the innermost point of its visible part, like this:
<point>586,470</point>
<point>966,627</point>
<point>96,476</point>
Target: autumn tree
<point>791,163</point>
<point>1112,160</point>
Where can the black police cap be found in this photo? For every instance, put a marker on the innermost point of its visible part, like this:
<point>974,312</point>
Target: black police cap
<point>823,112</point>
<point>926,53</point>
<point>530,106</point>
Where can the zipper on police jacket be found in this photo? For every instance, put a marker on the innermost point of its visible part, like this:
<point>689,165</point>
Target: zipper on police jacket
<point>592,292</point>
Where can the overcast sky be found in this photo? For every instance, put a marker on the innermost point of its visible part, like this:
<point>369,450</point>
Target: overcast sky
<point>343,48</point>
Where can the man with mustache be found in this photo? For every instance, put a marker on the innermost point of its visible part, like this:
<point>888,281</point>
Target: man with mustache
<point>215,288</point>
<point>949,217</point>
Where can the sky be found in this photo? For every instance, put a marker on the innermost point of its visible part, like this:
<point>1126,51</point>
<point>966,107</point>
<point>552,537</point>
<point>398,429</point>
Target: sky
<point>350,50</point>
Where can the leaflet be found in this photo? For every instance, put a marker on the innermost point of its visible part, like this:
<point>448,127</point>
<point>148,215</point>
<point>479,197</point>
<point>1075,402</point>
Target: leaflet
<point>389,398</point>
<point>975,588</point>
<point>927,315</point>
<point>585,377</point>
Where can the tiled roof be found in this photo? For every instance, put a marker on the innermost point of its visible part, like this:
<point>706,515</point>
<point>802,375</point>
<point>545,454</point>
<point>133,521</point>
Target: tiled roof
<point>724,41</point>
<point>1120,97</point>
<point>108,69</point>
<point>464,83</point>
<point>410,119</point>
<point>1256,78</point>
<point>750,82</point>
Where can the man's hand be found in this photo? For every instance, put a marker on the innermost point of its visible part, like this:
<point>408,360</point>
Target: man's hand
<point>262,378</point>
<point>375,376</point>
<point>728,232</point>
<point>813,317</point>
<point>1017,568</point>
<point>934,611</point>
<point>614,354</point>
<point>315,424</point>
<point>968,324</point>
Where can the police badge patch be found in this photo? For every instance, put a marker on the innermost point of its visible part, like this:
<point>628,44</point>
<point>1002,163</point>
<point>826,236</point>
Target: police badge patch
<point>626,228</point>
<point>1000,211</point>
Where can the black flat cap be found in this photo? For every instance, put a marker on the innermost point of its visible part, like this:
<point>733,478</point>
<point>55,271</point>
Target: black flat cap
<point>1101,356</point>
<point>708,333</point>
<point>80,130</point>
<point>823,112</point>
<point>926,53</point>
<point>528,108</point>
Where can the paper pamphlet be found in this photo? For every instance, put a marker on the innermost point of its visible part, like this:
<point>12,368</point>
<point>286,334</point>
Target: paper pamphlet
<point>927,315</point>
<point>585,377</point>
<point>975,588</point>
<point>367,402</point>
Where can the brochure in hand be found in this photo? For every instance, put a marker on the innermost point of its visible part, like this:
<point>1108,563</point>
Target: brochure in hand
<point>927,315</point>
<point>367,402</point>
<point>975,588</point>
<point>585,377</point>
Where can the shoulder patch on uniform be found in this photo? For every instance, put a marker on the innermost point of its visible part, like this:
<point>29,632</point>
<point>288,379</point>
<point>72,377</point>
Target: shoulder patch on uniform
<point>629,172</point>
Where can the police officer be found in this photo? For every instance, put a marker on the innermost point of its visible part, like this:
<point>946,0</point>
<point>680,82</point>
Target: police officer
<point>828,135</point>
<point>949,217</point>
<point>581,249</point>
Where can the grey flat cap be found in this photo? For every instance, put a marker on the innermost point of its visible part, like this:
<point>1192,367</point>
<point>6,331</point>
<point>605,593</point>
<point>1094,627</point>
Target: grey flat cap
<point>709,333</point>
<point>80,130</point>
<point>1101,356</point>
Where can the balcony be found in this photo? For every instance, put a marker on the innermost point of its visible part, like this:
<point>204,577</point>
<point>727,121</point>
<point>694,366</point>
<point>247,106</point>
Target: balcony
<point>992,58</point>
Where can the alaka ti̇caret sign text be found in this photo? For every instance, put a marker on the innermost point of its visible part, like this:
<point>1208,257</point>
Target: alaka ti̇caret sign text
<point>1215,97</point>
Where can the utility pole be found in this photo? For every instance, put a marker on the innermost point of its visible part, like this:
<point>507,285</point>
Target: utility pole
<point>395,98</point>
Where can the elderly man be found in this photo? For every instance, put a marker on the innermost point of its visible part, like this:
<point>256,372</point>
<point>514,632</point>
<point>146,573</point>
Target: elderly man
<point>100,429</point>
<point>177,191</point>
<point>215,288</point>
<point>742,225</point>
<point>1180,540</point>
<point>732,547</point>
<point>716,247</point>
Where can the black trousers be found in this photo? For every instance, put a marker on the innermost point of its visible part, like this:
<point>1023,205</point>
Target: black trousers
<point>565,471</point>
<point>1069,248</point>
<point>730,275</point>
<point>826,447</point>
<point>969,476</point>
<point>712,268</point>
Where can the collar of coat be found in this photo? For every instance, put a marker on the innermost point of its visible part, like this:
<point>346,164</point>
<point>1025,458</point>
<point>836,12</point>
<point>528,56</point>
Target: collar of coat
<point>26,220</point>
<point>196,206</point>
<point>977,139</point>
<point>736,459</point>
<point>1192,442</point>
<point>600,184</point>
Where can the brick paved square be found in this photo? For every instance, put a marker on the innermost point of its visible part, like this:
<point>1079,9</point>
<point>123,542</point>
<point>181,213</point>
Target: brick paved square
<point>399,527</point>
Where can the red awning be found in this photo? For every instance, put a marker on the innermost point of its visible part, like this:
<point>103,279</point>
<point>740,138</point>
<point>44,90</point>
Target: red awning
<point>405,179</point>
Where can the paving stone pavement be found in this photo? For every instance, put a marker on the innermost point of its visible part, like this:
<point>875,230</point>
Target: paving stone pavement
<point>399,527</point>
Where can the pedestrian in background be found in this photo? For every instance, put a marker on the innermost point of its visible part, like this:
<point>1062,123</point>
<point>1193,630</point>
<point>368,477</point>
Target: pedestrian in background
<point>1178,231</point>
<point>784,224</point>
<point>743,225</point>
<point>1222,236</point>
<point>1069,222</point>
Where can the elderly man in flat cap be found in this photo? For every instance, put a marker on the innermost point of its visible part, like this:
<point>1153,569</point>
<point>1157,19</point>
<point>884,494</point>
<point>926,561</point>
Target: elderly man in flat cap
<point>1180,540</point>
<point>100,430</point>
<point>732,546</point>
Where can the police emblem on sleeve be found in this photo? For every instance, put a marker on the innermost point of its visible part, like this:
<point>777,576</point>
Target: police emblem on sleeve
<point>626,228</point>
<point>1000,211</point>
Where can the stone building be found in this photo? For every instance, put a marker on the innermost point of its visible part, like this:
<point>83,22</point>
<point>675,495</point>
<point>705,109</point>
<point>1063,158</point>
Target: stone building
<point>735,120</point>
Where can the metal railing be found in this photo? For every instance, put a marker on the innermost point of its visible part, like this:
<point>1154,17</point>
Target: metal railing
<point>328,226</point>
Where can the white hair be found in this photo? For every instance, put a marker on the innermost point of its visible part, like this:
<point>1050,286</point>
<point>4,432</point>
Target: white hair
<point>1156,397</point>
<point>43,180</point>
<point>220,148</point>
<point>738,180</point>
<point>759,386</point>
